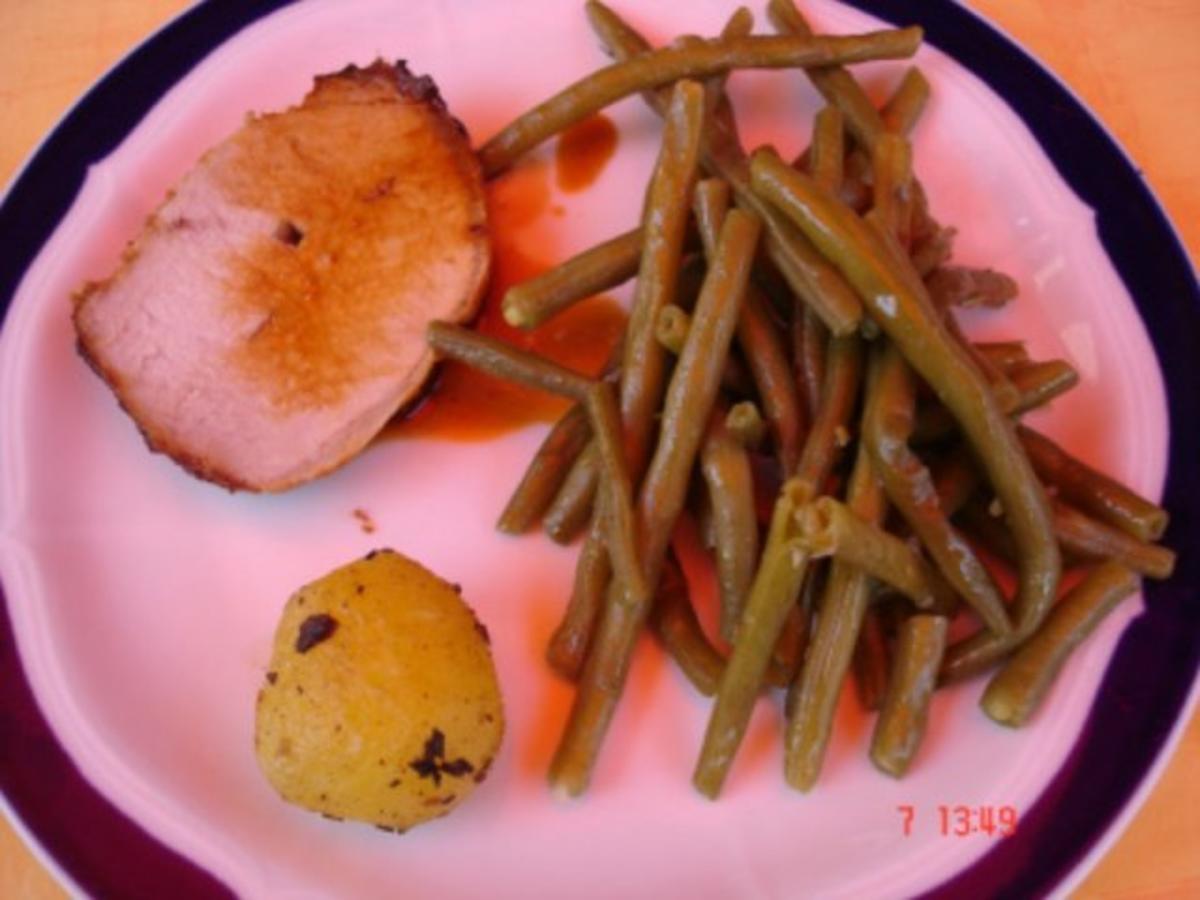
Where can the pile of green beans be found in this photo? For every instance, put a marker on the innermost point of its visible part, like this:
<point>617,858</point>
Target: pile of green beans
<point>794,381</point>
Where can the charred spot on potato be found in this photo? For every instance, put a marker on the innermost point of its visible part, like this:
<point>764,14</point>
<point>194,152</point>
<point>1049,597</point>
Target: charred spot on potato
<point>435,745</point>
<point>313,630</point>
<point>272,677</point>
<point>427,767</point>
<point>458,767</point>
<point>433,763</point>
<point>483,770</point>
<point>395,782</point>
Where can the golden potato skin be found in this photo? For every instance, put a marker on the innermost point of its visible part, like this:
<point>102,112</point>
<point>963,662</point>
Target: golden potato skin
<point>381,702</point>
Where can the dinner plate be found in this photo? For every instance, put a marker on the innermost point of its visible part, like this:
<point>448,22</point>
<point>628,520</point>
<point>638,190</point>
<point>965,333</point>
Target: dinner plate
<point>140,603</point>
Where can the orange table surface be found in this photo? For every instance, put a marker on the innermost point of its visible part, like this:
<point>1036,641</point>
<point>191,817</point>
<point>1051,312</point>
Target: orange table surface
<point>1134,63</point>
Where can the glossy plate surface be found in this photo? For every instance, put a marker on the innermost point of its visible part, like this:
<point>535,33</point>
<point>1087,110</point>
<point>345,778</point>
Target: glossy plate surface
<point>142,601</point>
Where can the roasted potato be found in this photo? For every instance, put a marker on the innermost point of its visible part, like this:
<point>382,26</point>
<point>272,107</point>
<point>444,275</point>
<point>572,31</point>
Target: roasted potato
<point>381,703</point>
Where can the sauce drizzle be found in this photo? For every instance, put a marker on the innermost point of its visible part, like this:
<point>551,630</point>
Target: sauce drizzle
<point>582,151</point>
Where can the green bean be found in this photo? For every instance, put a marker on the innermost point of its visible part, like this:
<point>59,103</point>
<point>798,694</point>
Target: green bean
<point>966,287</point>
<point>670,64</point>
<point>955,480</point>
<point>865,124</point>
<point>671,331</point>
<point>842,91</point>
<point>546,472</point>
<point>1078,535</point>
<point>505,361</point>
<point>814,698</point>
<point>693,388</point>
<point>872,660</point>
<point>1035,384</point>
<point>1004,388</point>
<point>895,297</point>
<point>932,244</point>
<point>595,270</point>
<point>855,190</point>
<point>828,528</point>
<point>903,109</point>
<point>920,645</point>
<point>676,624</point>
<point>830,427</point>
<point>554,464</point>
<point>666,215</point>
<point>709,206</point>
<point>932,247</point>
<point>672,326</point>
<point>1083,536</point>
<point>892,167</point>
<point>836,85</point>
<point>827,154</point>
<point>788,654</point>
<point>740,24</point>
<point>725,468</point>
<point>688,404</point>
<point>1092,491</point>
<point>691,278</point>
<point>761,344</point>
<point>746,424</point>
<point>569,643</point>
<point>600,685</point>
<point>773,594</point>
<point>572,505</point>
<point>807,274</point>
<point>627,603</point>
<point>1019,687</point>
<point>816,282</point>
<point>1005,355</point>
<point>763,349</point>
<point>887,425</point>
<point>1039,383</point>
<point>810,339</point>
<point>986,527</point>
<point>622,531</point>
<point>622,42</point>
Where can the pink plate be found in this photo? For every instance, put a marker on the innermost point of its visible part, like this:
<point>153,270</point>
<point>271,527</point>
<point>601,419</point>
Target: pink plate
<point>144,601</point>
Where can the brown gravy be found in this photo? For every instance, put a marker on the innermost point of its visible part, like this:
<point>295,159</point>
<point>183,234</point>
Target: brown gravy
<point>582,152</point>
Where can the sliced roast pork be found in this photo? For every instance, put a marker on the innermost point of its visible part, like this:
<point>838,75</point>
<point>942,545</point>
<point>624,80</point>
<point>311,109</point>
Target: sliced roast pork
<point>270,317</point>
